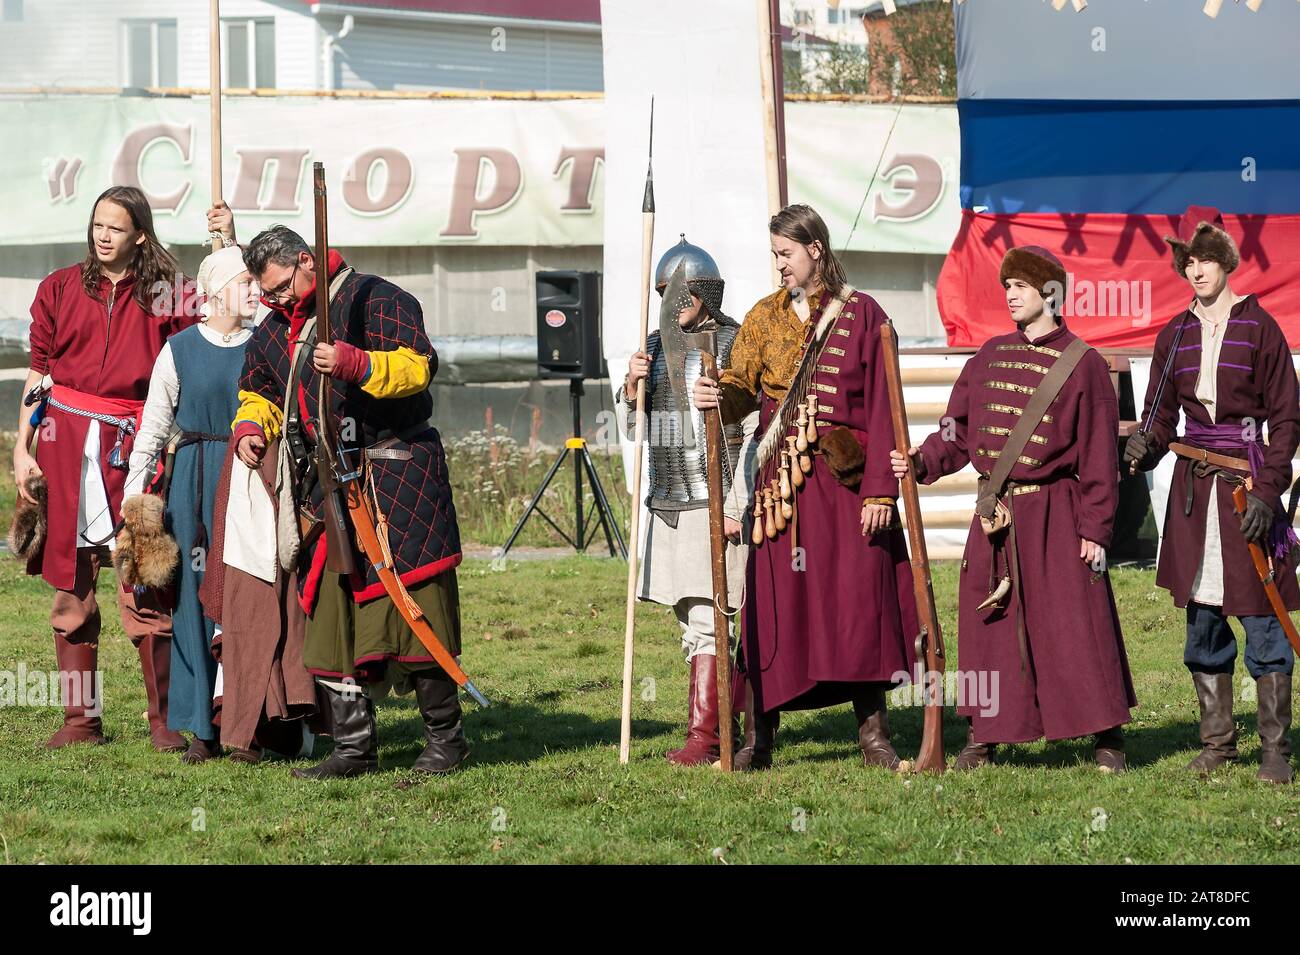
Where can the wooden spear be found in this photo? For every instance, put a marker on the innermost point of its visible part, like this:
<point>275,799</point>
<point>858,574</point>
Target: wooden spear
<point>214,96</point>
<point>638,449</point>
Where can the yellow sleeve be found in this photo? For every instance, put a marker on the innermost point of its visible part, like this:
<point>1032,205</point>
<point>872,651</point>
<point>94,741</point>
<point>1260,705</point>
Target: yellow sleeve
<point>396,374</point>
<point>262,412</point>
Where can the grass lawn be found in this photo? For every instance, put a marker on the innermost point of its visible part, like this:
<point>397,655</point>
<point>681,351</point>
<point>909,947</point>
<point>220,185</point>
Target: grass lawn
<point>543,639</point>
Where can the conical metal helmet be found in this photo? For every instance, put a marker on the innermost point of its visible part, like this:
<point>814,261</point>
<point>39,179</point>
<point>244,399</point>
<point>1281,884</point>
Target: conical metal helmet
<point>701,274</point>
<point>699,264</point>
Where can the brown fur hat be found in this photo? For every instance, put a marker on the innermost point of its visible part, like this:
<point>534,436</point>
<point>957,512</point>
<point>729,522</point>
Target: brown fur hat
<point>27,532</point>
<point>1037,266</point>
<point>843,456</point>
<point>1201,234</point>
<point>145,553</point>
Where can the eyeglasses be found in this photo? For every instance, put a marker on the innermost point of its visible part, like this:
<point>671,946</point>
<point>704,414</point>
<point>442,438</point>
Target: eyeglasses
<point>277,294</point>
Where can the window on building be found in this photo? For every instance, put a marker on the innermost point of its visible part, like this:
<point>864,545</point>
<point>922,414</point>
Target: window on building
<point>248,48</point>
<point>13,11</point>
<point>151,53</point>
<point>843,16</point>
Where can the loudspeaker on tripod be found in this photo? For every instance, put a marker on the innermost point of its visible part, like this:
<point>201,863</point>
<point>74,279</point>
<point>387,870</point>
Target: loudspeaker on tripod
<point>568,325</point>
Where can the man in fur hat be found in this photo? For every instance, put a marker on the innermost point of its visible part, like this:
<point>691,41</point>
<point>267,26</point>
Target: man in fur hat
<point>1225,364</point>
<point>676,571</point>
<point>1048,563</point>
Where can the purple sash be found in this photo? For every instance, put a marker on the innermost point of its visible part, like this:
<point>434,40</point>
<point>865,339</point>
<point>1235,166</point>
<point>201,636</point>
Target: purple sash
<point>1229,438</point>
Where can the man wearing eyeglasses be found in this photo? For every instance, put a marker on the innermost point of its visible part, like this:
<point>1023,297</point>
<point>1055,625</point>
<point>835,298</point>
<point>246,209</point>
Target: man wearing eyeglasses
<point>381,362</point>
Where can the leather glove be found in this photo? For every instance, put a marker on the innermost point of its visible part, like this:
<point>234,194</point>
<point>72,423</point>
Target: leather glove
<point>1139,450</point>
<point>1257,520</point>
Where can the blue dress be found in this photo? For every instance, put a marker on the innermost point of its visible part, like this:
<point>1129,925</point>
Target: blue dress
<point>207,402</point>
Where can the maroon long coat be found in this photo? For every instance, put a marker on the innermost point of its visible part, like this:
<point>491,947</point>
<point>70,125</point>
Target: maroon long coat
<point>815,632</point>
<point>1077,679</point>
<point>104,347</point>
<point>1256,380</point>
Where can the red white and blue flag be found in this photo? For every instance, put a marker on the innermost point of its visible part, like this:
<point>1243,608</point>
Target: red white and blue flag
<point>1090,133</point>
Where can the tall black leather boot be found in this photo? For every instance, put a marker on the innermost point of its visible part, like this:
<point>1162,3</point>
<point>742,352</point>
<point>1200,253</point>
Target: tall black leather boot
<point>437,696</point>
<point>356,741</point>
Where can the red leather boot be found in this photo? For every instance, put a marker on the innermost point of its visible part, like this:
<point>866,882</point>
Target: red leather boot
<point>81,659</point>
<point>702,745</point>
<point>156,666</point>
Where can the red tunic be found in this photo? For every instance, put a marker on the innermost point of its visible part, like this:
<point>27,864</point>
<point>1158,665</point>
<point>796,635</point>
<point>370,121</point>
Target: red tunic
<point>845,615</point>
<point>105,348</point>
<point>1077,680</point>
<point>1256,380</point>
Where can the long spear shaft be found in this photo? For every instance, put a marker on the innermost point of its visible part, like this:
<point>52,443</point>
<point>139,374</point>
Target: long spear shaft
<point>718,566</point>
<point>214,95</point>
<point>647,247</point>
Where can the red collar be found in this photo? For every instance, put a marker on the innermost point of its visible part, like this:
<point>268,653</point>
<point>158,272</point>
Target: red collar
<point>306,305</point>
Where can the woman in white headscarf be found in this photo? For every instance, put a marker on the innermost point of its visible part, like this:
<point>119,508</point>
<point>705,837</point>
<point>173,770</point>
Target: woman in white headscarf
<point>193,397</point>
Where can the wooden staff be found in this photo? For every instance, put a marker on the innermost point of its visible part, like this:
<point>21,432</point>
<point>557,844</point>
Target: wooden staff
<point>770,83</point>
<point>930,640</point>
<point>718,555</point>
<point>1265,572</point>
<point>638,449</point>
<point>214,96</point>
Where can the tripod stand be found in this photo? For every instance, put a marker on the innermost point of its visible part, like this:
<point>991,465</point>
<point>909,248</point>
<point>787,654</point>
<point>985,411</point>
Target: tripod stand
<point>581,463</point>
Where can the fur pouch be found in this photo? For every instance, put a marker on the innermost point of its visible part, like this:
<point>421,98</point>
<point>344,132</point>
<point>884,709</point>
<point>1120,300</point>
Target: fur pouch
<point>145,554</point>
<point>27,532</point>
<point>843,456</point>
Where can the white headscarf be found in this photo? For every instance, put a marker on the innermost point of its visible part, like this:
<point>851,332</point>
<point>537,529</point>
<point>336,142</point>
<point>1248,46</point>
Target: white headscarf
<point>216,272</point>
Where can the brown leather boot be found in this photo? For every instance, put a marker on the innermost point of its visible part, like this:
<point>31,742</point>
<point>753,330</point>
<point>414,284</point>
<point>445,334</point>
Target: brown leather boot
<point>202,750</point>
<point>755,752</point>
<point>702,743</point>
<point>80,659</point>
<point>1218,730</point>
<point>1274,691</point>
<point>1109,751</point>
<point>873,730</point>
<point>973,754</point>
<point>252,756</point>
<point>156,666</point>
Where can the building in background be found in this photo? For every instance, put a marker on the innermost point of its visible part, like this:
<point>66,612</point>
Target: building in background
<point>297,45</point>
<point>478,295</point>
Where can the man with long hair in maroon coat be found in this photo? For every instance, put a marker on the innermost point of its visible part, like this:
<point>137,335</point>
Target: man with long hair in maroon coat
<point>1048,565</point>
<point>1224,363</point>
<point>830,615</point>
<point>97,328</point>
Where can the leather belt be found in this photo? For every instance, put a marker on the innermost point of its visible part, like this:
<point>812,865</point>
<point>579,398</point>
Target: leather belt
<point>1209,457</point>
<point>385,450</point>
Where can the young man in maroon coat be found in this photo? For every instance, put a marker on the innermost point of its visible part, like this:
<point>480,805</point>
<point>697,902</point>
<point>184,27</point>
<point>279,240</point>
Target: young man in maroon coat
<point>1230,373</point>
<point>1053,679</point>
<point>97,328</point>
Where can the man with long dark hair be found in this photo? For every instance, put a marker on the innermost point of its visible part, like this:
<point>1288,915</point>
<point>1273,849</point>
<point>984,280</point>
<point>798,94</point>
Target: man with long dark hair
<point>829,614</point>
<point>97,328</point>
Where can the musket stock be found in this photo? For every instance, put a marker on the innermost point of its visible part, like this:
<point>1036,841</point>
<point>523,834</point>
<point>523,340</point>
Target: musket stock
<point>930,640</point>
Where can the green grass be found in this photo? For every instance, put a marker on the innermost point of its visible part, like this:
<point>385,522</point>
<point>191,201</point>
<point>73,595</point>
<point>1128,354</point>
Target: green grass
<point>544,641</point>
